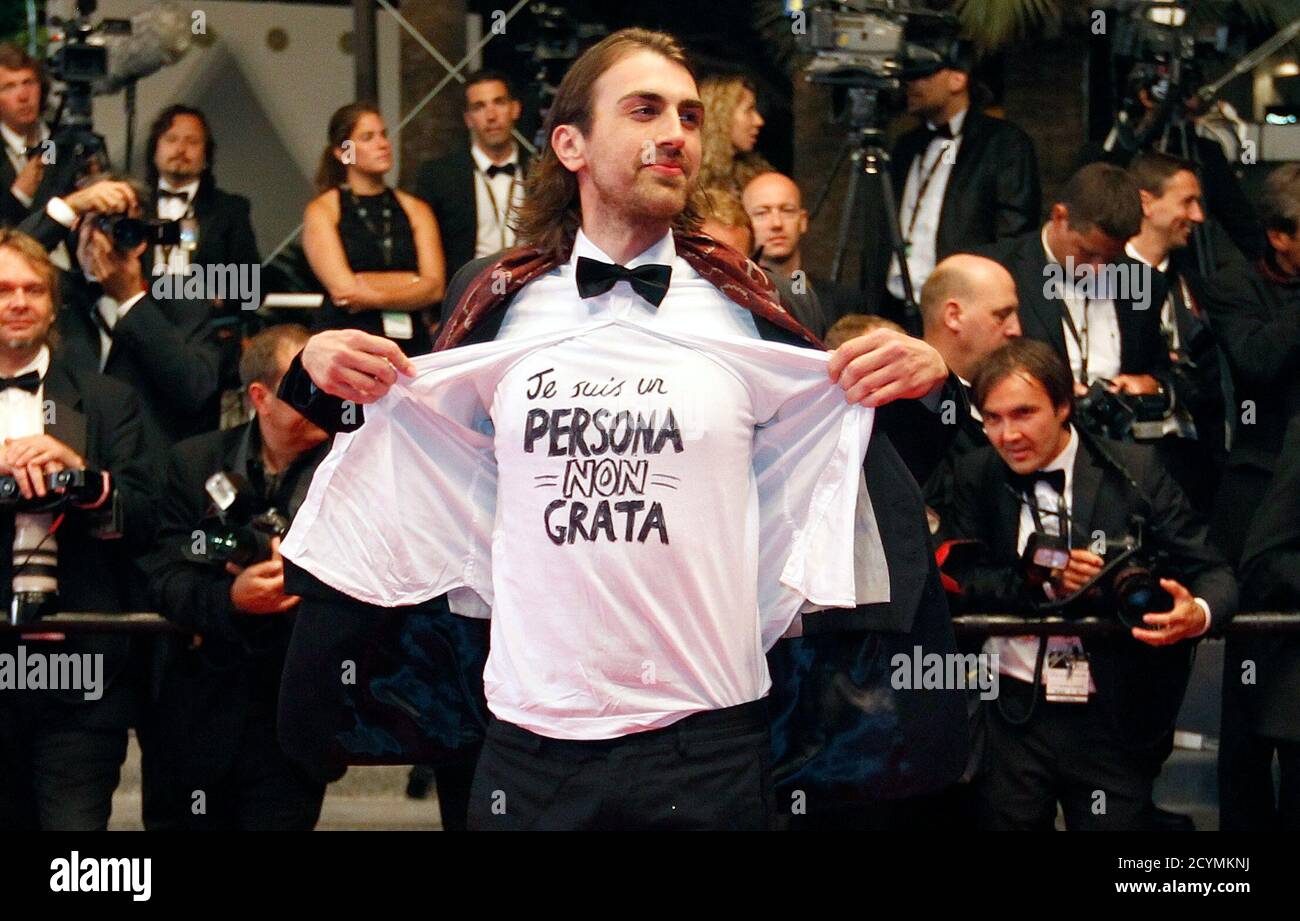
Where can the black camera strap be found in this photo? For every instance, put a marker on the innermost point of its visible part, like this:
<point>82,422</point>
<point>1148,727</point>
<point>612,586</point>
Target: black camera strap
<point>1080,340</point>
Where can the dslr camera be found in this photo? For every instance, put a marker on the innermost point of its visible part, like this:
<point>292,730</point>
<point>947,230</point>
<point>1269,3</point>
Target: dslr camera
<point>239,528</point>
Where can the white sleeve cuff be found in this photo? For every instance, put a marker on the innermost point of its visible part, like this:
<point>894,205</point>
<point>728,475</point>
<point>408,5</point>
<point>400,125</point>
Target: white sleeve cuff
<point>59,210</point>
<point>23,198</point>
<point>1205,606</point>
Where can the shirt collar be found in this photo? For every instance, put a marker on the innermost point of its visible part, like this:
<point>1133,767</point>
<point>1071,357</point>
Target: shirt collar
<point>40,364</point>
<point>190,188</point>
<point>1065,460</point>
<point>483,161</point>
<point>954,123</point>
<point>1132,252</point>
<point>662,252</point>
<point>17,143</point>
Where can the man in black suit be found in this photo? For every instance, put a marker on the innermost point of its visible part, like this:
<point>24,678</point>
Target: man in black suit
<point>1094,739</point>
<point>1066,275</point>
<point>1191,440</point>
<point>163,347</point>
<point>218,692</point>
<point>474,190</point>
<point>969,309</point>
<point>963,180</point>
<point>775,208</point>
<point>1255,309</point>
<point>61,749</point>
<point>35,167</point>
<point>1261,672</point>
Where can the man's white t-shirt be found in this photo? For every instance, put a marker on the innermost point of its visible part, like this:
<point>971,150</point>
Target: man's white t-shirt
<point>643,510</point>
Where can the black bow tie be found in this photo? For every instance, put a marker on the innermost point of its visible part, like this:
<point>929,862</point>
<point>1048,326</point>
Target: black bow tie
<point>31,382</point>
<point>649,281</point>
<point>938,131</point>
<point>168,193</point>
<point>507,168</point>
<point>1024,483</point>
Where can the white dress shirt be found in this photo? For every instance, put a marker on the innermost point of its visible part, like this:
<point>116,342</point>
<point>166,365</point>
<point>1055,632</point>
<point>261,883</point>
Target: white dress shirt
<point>605,623</point>
<point>21,415</point>
<point>936,161</point>
<point>174,259</point>
<point>1096,323</point>
<point>495,201</point>
<point>1168,311</point>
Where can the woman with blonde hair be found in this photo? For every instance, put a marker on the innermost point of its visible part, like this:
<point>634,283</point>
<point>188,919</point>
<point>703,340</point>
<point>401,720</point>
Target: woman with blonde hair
<point>375,249</point>
<point>731,126</point>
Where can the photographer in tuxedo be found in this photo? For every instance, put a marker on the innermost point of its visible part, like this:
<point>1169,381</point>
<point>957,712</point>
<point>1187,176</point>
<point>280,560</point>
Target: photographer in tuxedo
<point>219,692</point>
<point>163,348</point>
<point>61,749</point>
<point>475,190</point>
<point>1087,723</point>
<point>34,167</point>
<point>963,179</point>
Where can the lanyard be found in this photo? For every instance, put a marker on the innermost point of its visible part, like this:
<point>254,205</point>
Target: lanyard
<point>499,216</point>
<point>1080,341</point>
<point>925,184</point>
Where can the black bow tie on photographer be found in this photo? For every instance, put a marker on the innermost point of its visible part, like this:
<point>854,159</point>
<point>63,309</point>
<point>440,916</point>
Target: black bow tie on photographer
<point>943,131</point>
<point>168,193</point>
<point>507,168</point>
<point>649,281</point>
<point>31,382</point>
<point>1024,482</point>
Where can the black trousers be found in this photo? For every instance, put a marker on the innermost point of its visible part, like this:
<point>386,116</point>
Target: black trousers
<point>56,778</point>
<point>1066,753</point>
<point>263,790</point>
<point>709,770</point>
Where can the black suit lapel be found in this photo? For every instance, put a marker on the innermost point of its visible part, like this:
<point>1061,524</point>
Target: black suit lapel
<point>63,417</point>
<point>468,194</point>
<point>1085,512</point>
<point>1030,273</point>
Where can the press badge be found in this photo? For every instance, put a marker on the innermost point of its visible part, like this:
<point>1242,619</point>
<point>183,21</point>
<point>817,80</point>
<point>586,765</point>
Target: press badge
<point>398,325</point>
<point>1067,675</point>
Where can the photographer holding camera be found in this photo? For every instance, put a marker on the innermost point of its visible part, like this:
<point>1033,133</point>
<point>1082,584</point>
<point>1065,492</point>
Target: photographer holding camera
<point>1086,723</point>
<point>218,694</point>
<point>164,348</point>
<point>67,549</point>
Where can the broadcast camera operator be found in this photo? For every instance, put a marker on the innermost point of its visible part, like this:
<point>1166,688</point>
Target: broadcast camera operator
<point>1087,723</point>
<point>31,171</point>
<point>61,749</point>
<point>218,696</point>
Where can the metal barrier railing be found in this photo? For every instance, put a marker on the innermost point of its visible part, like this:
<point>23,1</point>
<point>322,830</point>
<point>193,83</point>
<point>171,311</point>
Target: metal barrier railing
<point>1252,622</point>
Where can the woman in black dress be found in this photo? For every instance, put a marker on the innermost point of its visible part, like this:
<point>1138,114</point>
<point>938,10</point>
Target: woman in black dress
<point>376,250</point>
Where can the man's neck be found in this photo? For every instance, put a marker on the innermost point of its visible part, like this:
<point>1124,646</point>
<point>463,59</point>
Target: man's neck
<point>365,183</point>
<point>276,458</point>
<point>1060,448</point>
<point>784,267</point>
<point>950,110</point>
<point>13,360</point>
<point>1151,245</point>
<point>30,134</point>
<point>623,241</point>
<point>498,154</point>
<point>961,365</point>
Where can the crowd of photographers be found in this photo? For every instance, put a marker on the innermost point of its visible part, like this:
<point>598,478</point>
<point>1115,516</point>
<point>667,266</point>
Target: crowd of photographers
<point>1123,450</point>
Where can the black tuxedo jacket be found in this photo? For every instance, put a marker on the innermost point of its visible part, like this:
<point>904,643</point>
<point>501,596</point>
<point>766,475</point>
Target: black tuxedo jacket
<point>1140,686</point>
<point>206,689</point>
<point>101,420</point>
<point>165,350</point>
<point>58,179</point>
<point>993,191</point>
<point>1142,347</point>
<point>225,229</point>
<point>838,726</point>
<point>447,184</point>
